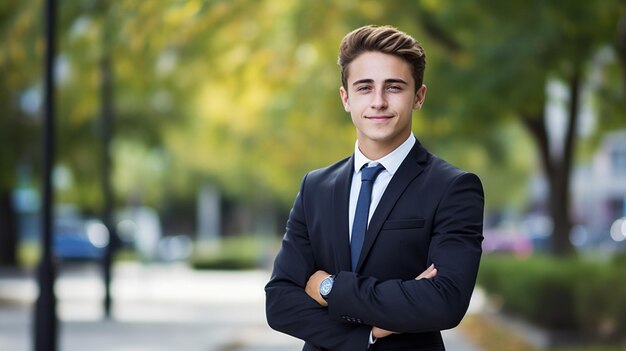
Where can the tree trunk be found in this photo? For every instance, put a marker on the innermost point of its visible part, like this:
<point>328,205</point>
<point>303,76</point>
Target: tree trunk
<point>8,231</point>
<point>560,179</point>
<point>559,205</point>
<point>107,118</point>
<point>621,48</point>
<point>557,173</point>
<point>558,168</point>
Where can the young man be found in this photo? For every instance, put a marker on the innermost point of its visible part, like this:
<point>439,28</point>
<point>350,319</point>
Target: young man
<point>364,231</point>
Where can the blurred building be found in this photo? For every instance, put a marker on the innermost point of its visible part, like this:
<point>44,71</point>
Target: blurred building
<point>599,193</point>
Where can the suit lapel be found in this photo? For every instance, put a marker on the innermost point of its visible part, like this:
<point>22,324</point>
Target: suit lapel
<point>341,197</point>
<point>409,170</point>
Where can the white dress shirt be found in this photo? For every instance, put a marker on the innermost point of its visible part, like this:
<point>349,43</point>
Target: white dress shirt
<point>391,162</point>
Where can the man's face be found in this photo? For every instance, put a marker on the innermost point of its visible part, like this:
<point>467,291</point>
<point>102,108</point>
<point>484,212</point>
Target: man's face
<point>380,97</point>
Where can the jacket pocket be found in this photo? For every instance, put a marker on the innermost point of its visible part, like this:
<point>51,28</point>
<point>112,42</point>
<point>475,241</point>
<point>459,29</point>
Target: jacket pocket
<point>392,224</point>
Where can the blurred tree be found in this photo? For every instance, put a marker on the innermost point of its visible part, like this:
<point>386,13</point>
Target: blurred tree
<point>244,94</point>
<point>139,118</point>
<point>21,65</point>
<point>78,77</point>
<point>504,55</point>
<point>270,92</point>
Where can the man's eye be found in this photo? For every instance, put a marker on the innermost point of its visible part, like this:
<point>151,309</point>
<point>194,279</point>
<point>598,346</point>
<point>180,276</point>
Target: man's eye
<point>363,88</point>
<point>394,88</point>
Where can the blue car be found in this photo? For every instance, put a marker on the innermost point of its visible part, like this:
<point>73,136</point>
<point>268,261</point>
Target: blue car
<point>78,240</point>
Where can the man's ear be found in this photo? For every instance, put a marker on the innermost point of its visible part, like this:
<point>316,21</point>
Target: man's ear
<point>420,95</point>
<point>344,99</point>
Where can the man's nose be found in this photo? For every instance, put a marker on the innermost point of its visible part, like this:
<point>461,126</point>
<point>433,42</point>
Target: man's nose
<point>379,102</point>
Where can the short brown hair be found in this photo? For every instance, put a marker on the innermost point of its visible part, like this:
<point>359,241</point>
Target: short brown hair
<point>385,39</point>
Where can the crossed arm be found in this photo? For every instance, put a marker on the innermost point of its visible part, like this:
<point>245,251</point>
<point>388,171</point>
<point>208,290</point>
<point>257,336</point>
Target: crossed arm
<point>313,285</point>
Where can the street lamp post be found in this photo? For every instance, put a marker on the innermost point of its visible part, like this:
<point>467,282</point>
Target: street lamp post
<point>45,310</point>
<point>106,120</point>
<point>107,189</point>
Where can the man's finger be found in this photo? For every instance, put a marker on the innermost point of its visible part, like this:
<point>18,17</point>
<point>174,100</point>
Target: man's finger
<point>429,273</point>
<point>425,273</point>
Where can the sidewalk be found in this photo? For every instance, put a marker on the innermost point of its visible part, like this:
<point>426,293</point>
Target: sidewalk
<point>156,307</point>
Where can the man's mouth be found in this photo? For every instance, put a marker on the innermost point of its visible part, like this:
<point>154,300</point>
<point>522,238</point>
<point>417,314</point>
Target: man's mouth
<point>378,118</point>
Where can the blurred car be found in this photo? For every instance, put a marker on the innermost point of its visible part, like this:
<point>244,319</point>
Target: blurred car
<point>76,239</point>
<point>506,239</point>
<point>140,228</point>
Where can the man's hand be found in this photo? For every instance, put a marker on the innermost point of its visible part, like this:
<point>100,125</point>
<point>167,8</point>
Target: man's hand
<point>378,333</point>
<point>313,287</point>
<point>429,273</point>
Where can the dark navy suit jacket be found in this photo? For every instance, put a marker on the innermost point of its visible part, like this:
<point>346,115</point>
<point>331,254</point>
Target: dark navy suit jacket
<point>431,212</point>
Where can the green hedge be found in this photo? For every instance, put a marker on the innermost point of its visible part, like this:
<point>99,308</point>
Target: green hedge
<point>237,253</point>
<point>584,296</point>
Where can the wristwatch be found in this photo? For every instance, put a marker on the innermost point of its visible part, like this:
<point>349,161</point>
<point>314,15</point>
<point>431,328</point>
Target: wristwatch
<point>326,286</point>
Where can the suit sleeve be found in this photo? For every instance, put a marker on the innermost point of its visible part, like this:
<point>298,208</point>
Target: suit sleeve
<point>427,304</point>
<point>288,308</point>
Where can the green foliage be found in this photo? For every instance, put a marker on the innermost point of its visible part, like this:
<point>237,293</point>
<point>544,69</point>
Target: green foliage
<point>20,69</point>
<point>244,94</point>
<point>561,294</point>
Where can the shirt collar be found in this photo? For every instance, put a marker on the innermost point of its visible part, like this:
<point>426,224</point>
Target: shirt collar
<point>391,161</point>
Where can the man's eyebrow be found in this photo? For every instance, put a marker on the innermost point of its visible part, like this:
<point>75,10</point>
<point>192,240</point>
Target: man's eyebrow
<point>396,80</point>
<point>387,81</point>
<point>363,81</point>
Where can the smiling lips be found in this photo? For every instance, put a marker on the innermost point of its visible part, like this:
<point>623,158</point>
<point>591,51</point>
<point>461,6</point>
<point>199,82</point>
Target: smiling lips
<point>378,118</point>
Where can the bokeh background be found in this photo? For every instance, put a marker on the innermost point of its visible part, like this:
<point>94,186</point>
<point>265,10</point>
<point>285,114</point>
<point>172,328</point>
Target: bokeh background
<point>218,109</point>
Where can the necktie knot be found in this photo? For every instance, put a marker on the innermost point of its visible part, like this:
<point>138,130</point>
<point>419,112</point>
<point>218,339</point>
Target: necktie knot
<point>370,173</point>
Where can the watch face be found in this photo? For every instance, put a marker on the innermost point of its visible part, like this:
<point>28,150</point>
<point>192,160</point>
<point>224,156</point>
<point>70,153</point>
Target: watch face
<point>326,286</point>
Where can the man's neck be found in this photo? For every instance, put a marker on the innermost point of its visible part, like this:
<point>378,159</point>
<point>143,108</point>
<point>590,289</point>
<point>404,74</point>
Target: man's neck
<point>376,151</point>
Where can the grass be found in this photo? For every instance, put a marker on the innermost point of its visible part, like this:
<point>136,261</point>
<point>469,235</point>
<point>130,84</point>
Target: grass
<point>28,254</point>
<point>489,335</point>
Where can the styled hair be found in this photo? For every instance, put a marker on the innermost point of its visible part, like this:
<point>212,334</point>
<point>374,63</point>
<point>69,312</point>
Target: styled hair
<point>385,39</point>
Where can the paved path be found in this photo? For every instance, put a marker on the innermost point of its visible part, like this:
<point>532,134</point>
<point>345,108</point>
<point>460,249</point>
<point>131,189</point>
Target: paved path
<point>156,307</point>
